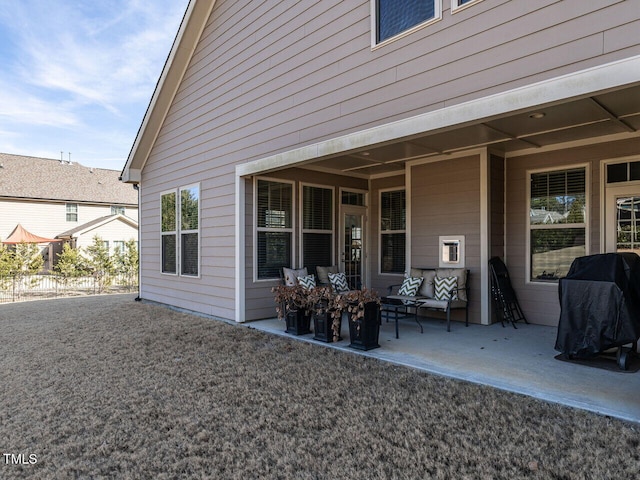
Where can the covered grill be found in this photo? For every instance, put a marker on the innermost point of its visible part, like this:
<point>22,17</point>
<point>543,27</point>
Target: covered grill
<point>600,306</point>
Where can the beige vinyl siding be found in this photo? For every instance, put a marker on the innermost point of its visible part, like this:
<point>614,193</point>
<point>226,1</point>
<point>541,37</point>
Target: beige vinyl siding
<point>110,232</point>
<point>496,205</point>
<point>443,203</point>
<point>540,301</point>
<point>48,219</point>
<point>268,77</point>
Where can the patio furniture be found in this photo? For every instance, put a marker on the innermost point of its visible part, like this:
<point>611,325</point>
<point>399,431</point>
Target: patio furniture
<point>504,296</point>
<point>399,309</point>
<point>439,289</point>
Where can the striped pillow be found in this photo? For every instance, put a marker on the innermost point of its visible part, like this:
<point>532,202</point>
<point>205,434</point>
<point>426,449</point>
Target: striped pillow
<point>307,282</point>
<point>339,282</point>
<point>410,286</point>
<point>443,287</point>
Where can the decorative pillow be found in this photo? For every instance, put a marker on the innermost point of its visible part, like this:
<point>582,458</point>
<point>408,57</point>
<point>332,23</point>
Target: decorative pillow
<point>323,274</point>
<point>410,286</point>
<point>461,273</point>
<point>291,275</point>
<point>443,286</point>
<point>339,282</point>
<point>307,282</point>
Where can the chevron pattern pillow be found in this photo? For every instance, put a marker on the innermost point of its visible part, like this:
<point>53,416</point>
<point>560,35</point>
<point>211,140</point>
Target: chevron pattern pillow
<point>339,282</point>
<point>410,286</point>
<point>307,282</point>
<point>443,286</point>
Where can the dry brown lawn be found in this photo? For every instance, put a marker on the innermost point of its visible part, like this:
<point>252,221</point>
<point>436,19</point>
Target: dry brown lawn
<point>105,387</point>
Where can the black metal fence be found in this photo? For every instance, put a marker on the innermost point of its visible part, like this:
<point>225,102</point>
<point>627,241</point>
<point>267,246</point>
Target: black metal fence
<point>18,288</point>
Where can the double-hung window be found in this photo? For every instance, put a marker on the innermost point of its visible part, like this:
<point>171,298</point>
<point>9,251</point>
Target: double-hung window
<point>317,227</point>
<point>274,227</point>
<point>557,221</point>
<point>190,230</point>
<point>180,231</point>
<point>394,17</point>
<point>72,212</point>
<point>169,233</point>
<point>393,223</point>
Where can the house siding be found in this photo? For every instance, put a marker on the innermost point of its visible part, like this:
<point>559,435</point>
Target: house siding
<point>268,77</point>
<point>49,219</point>
<point>540,301</point>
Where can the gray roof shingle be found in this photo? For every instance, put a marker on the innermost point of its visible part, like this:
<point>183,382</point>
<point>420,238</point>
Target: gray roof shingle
<point>49,179</point>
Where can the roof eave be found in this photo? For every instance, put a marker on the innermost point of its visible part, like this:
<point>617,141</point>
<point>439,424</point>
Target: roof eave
<point>191,27</point>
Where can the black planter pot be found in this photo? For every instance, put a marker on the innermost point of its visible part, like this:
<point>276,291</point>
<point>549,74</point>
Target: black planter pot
<point>298,322</point>
<point>365,331</point>
<point>322,323</point>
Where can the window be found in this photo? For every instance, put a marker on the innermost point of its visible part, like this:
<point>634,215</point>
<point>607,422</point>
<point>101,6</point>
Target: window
<point>393,216</point>
<point>557,222</point>
<point>459,4</point>
<point>181,221</point>
<point>72,212</point>
<point>393,17</point>
<point>274,225</point>
<point>118,246</point>
<point>169,232</point>
<point>623,172</point>
<point>317,227</point>
<point>117,210</point>
<point>353,198</point>
<point>190,230</point>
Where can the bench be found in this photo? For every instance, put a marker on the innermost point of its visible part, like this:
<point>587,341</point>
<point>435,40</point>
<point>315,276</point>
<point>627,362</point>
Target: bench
<point>441,289</point>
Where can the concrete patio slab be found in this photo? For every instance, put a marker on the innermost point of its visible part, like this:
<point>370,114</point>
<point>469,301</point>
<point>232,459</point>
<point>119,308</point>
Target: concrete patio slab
<point>518,360</point>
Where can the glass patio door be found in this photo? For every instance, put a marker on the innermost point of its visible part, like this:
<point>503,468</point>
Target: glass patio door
<point>623,219</point>
<point>352,246</point>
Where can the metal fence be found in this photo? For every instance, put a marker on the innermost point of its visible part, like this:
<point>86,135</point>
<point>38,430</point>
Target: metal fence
<point>19,288</point>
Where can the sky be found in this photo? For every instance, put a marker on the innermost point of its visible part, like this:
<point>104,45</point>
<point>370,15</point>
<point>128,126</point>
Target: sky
<point>76,76</point>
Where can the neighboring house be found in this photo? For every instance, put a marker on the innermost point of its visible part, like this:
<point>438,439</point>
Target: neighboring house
<point>66,201</point>
<point>364,133</point>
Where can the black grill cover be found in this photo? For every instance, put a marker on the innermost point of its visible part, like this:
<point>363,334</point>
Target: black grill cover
<point>599,304</point>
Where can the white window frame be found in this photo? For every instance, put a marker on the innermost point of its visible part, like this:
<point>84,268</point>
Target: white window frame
<point>587,232</point>
<point>353,190</point>
<point>71,209</point>
<point>385,232</point>
<point>257,229</point>
<point>171,232</point>
<point>190,231</point>
<point>309,230</point>
<point>437,16</point>
<point>456,6</point>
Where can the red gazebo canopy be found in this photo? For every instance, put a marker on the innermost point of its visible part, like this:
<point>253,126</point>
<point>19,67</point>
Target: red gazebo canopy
<point>20,235</point>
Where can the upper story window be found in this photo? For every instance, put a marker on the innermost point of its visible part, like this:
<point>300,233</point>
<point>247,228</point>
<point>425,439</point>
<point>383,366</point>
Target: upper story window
<point>557,221</point>
<point>72,212</point>
<point>395,17</point>
<point>117,210</point>
<point>459,4</point>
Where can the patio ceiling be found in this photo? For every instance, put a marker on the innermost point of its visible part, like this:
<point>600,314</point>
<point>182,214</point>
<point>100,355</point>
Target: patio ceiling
<point>611,113</point>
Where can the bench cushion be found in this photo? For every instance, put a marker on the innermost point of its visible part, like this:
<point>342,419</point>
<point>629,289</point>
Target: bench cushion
<point>441,304</point>
<point>428,275</point>
<point>291,275</point>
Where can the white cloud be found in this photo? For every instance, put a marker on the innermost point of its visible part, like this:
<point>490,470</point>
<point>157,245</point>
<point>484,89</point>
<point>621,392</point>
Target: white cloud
<point>88,67</point>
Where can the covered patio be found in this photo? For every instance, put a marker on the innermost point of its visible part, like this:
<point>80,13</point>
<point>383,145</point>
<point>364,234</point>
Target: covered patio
<point>517,360</point>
